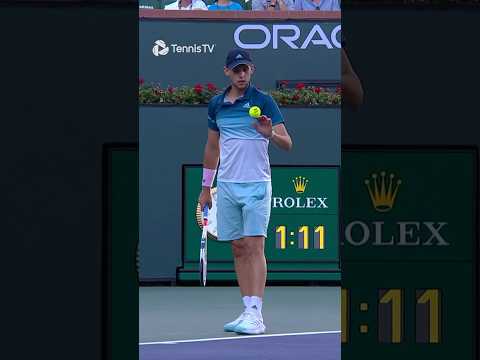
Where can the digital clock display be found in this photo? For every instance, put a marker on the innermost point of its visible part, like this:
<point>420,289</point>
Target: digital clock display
<point>390,305</point>
<point>303,237</point>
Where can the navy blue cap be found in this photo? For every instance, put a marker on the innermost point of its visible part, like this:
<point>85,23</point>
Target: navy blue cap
<point>237,57</point>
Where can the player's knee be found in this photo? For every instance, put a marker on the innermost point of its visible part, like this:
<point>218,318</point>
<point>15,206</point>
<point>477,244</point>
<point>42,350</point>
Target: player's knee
<point>256,246</point>
<point>239,248</point>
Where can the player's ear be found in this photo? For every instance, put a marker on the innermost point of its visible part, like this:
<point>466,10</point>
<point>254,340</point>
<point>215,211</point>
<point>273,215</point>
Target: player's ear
<point>252,69</point>
<point>226,71</point>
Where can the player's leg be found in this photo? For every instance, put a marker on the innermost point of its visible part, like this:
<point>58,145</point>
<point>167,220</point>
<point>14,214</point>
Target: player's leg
<point>251,268</point>
<point>258,262</point>
<point>256,215</point>
<point>250,265</point>
<point>230,228</point>
<point>241,261</point>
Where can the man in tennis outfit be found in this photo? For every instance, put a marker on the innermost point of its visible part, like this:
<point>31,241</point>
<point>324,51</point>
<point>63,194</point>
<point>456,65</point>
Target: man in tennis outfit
<point>244,189</point>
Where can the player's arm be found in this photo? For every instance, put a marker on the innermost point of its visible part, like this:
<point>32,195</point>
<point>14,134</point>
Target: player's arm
<point>280,137</point>
<point>212,150</point>
<point>210,162</point>
<point>352,91</point>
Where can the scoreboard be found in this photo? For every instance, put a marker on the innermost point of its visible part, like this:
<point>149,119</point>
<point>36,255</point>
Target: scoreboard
<point>409,253</point>
<point>303,234</point>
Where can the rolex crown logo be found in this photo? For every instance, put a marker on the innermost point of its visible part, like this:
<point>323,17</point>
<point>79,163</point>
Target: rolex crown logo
<point>300,183</point>
<point>382,191</point>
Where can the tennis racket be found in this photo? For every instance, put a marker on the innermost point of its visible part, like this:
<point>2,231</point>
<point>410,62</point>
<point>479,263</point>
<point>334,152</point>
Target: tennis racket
<point>203,248</point>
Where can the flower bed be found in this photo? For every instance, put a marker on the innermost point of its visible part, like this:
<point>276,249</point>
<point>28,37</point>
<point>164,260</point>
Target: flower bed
<point>201,94</point>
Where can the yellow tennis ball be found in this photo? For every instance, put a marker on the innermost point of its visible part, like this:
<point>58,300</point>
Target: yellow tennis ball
<point>255,112</point>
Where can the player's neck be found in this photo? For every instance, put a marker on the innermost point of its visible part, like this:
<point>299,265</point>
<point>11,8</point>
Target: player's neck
<point>223,2</point>
<point>236,93</point>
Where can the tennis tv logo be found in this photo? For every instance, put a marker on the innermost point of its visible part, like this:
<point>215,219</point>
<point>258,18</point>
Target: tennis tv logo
<point>161,48</point>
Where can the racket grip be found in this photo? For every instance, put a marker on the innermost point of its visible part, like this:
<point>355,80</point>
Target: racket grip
<point>205,212</point>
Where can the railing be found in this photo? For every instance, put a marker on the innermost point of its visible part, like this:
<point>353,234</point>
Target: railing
<point>246,15</point>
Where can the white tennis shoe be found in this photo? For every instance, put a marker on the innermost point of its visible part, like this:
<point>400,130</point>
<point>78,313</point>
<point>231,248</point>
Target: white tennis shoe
<point>251,324</point>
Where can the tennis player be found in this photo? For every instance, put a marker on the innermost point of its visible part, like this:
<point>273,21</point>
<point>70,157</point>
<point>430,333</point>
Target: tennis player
<point>244,182</point>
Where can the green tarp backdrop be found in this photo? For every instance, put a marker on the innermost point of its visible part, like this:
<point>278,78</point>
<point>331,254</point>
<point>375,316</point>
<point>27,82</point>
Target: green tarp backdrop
<point>303,233</point>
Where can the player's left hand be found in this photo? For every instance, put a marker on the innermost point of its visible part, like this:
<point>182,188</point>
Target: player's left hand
<point>264,126</point>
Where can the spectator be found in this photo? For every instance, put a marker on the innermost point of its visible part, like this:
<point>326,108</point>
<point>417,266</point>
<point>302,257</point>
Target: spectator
<point>186,5</point>
<point>274,5</point>
<point>322,5</point>
<point>225,5</point>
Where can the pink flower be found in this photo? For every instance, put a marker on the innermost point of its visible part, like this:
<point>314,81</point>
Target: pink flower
<point>296,97</point>
<point>318,90</point>
<point>211,87</point>
<point>171,90</point>
<point>141,81</point>
<point>283,83</point>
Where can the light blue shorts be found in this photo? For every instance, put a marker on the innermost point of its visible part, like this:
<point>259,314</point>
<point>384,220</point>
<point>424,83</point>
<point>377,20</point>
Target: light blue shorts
<point>243,209</point>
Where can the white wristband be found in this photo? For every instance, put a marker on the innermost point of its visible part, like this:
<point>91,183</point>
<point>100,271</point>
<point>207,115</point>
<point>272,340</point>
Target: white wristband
<point>208,177</point>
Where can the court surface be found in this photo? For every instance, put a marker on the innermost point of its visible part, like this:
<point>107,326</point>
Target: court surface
<point>181,323</point>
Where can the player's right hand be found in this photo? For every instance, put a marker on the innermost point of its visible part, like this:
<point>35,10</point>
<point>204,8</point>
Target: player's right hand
<point>205,198</point>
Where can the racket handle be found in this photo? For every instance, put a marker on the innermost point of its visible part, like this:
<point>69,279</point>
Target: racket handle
<point>205,212</point>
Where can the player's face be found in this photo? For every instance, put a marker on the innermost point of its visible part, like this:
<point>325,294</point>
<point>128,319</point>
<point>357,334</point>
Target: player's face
<point>240,75</point>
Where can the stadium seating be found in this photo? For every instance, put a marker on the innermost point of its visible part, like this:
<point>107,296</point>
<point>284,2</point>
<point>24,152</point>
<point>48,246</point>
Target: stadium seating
<point>160,4</point>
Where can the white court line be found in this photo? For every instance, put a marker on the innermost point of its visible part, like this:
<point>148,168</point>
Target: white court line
<point>239,337</point>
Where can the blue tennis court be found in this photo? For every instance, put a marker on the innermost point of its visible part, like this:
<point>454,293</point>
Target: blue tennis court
<point>179,323</point>
<point>325,346</point>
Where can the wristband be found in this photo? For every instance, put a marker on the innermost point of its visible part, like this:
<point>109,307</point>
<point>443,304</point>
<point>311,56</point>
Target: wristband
<point>208,176</point>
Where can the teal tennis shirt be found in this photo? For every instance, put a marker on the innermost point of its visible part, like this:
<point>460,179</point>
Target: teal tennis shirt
<point>243,150</point>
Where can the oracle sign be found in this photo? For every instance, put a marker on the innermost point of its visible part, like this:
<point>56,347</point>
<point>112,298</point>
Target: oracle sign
<point>291,35</point>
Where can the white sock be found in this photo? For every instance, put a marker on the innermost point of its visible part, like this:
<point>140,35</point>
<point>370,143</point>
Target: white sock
<point>247,301</point>
<point>257,302</point>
